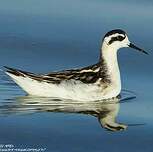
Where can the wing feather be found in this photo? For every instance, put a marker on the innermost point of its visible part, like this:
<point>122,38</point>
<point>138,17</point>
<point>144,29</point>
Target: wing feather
<point>88,74</point>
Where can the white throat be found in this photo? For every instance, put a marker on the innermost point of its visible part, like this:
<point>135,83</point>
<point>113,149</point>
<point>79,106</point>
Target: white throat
<point>109,54</point>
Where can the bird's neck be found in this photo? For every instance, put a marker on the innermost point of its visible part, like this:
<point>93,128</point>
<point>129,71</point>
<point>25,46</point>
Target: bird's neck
<point>109,58</point>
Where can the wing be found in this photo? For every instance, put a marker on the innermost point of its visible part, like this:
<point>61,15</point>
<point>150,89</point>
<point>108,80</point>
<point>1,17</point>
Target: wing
<point>88,74</point>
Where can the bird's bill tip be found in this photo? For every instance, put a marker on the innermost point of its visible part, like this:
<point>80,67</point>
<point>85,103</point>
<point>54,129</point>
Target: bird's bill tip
<point>131,45</point>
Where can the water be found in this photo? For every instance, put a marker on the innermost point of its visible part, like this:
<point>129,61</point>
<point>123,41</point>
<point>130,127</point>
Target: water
<point>44,36</point>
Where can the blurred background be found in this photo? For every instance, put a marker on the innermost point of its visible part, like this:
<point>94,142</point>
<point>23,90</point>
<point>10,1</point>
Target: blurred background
<point>50,35</point>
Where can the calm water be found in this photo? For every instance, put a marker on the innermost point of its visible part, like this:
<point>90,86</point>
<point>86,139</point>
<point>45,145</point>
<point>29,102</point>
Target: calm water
<point>43,36</point>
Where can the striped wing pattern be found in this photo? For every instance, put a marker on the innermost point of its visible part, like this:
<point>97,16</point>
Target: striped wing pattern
<point>88,74</point>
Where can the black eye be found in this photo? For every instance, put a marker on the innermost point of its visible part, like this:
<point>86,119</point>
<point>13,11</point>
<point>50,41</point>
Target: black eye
<point>120,38</point>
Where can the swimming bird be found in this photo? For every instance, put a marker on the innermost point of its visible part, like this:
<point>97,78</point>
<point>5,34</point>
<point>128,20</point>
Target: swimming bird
<point>96,82</point>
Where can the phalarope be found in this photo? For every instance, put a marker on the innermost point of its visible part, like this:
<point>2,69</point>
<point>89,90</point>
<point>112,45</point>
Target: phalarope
<point>95,82</point>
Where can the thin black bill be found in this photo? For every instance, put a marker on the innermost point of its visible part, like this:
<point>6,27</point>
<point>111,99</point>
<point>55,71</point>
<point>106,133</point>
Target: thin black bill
<point>137,48</point>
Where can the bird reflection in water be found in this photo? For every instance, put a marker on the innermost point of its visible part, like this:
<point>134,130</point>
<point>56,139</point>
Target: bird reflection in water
<point>105,111</point>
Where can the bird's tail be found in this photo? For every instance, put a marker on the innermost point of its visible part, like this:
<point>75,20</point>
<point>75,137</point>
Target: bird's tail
<point>22,78</point>
<point>14,72</point>
<point>17,72</point>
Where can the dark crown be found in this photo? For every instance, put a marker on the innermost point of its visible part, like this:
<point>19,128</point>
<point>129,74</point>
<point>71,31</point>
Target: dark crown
<point>117,37</point>
<point>119,31</point>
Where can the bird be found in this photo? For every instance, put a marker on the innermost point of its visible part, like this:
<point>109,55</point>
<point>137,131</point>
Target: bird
<point>100,81</point>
